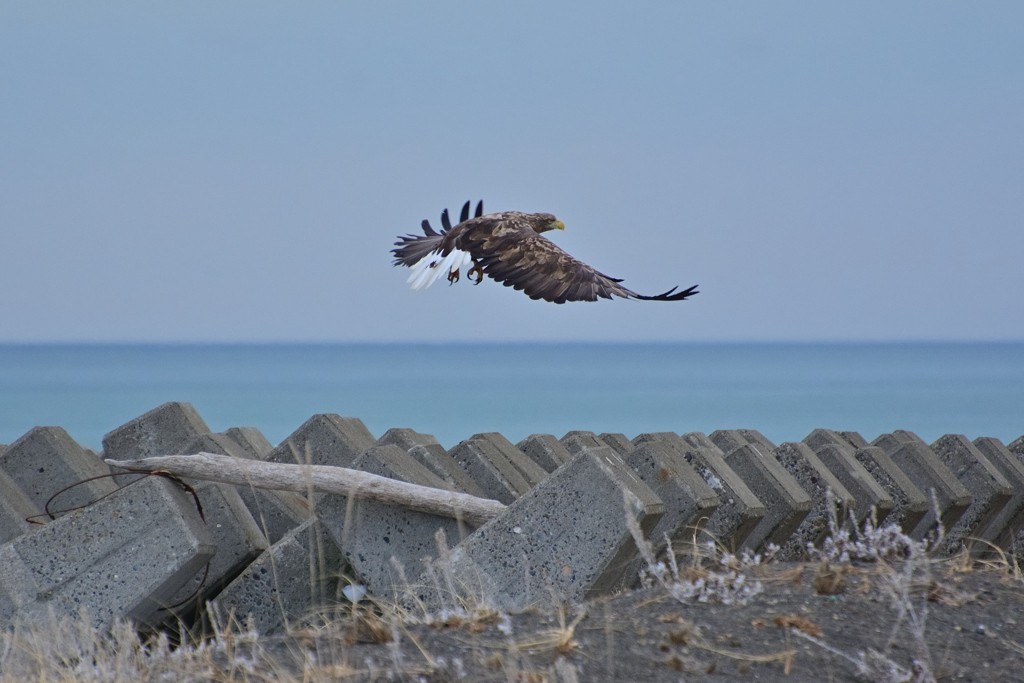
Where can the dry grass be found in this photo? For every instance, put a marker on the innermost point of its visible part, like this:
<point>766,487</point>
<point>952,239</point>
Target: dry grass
<point>905,567</point>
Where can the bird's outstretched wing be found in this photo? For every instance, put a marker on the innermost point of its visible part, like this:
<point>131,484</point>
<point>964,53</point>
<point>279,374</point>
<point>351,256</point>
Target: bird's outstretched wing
<point>512,253</point>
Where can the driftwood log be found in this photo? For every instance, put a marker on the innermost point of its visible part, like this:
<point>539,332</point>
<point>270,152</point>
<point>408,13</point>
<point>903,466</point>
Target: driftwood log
<point>321,479</point>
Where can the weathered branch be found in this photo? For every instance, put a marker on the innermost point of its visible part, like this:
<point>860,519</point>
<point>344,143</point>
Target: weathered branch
<point>322,479</point>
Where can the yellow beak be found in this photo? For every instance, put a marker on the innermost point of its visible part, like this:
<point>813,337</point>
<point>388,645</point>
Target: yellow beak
<point>559,225</point>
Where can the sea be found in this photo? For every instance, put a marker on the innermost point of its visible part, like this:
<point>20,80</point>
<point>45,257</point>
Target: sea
<point>783,390</point>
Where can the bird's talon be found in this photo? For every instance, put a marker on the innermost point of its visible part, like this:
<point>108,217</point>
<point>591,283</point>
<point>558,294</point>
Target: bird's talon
<point>453,276</point>
<point>479,273</point>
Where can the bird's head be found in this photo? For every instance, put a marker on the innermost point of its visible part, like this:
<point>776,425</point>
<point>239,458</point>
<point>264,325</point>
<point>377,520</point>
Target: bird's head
<point>542,222</point>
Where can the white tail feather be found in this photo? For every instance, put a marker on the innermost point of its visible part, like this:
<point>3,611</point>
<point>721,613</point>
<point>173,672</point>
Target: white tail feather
<point>421,266</point>
<point>444,266</point>
<point>430,267</point>
<point>424,273</point>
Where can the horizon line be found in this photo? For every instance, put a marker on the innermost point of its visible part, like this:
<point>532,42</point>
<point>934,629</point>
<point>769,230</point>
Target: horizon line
<point>494,342</point>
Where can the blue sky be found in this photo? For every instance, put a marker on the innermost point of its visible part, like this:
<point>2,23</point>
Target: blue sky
<point>226,171</point>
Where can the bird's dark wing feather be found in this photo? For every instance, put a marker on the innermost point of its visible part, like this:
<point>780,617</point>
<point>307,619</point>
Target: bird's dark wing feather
<point>411,248</point>
<point>669,296</point>
<point>513,254</point>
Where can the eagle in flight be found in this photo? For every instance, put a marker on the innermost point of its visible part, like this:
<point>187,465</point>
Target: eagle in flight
<point>510,248</point>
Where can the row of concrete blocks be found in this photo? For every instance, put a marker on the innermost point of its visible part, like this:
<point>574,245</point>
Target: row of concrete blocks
<point>150,550</point>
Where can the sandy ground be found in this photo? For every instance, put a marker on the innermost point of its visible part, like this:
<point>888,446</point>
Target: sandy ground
<point>973,631</point>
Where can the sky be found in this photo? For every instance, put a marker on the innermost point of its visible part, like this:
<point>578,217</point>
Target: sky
<point>238,172</point>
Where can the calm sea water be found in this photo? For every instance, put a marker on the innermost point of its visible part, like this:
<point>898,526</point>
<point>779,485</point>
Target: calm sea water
<point>456,390</point>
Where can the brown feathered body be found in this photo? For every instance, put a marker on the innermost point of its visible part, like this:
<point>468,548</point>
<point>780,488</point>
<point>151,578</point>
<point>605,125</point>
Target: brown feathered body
<point>511,249</point>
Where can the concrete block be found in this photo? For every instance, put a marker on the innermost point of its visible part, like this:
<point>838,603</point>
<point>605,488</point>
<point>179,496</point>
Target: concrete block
<point>577,441</point>
<point>531,471</point>
<point>700,440</point>
<point>618,442</point>
<point>740,511</point>
<point>787,505</point>
<point>274,513</point>
<point>1016,446</point>
<point>287,585</point>
<point>989,489</point>
<point>812,477</point>
<point>651,437</point>
<point>924,468</point>
<point>909,503</point>
<point>758,439</point>
<point>545,450</point>
<point>854,439</point>
<point>161,431</point>
<point>425,450</point>
<point>251,441</point>
<point>689,501</point>
<point>1010,521</point>
<point>837,455</point>
<point>238,541</point>
<point>829,495</point>
<point>15,509</point>
<point>565,540</point>
<point>46,460</point>
<point>122,557</point>
<point>826,437</point>
<point>895,440</point>
<point>325,439</point>
<point>436,459</point>
<point>490,469</point>
<point>370,533</point>
<point>238,537</point>
<point>728,440</point>
<point>405,438</point>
